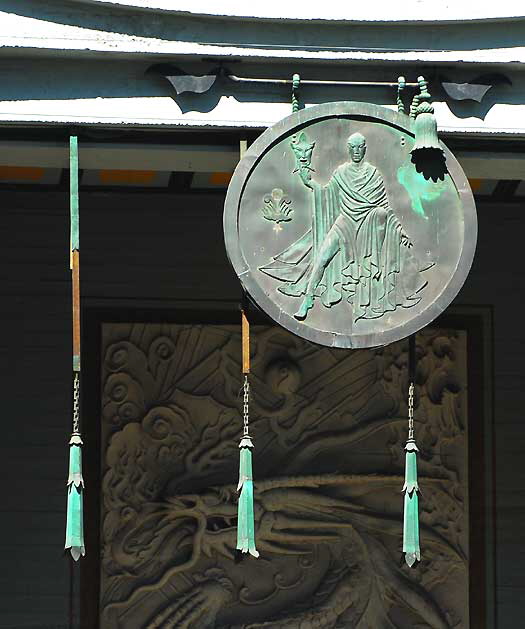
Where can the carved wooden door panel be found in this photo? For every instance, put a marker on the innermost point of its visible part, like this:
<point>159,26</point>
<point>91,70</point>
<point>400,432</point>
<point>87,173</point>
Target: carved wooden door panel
<point>329,428</point>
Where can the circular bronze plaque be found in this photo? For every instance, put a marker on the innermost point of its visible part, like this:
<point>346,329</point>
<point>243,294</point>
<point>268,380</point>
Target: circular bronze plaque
<point>339,235</point>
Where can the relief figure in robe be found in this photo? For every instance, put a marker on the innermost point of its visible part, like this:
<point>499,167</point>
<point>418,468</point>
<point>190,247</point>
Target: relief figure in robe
<point>356,249</point>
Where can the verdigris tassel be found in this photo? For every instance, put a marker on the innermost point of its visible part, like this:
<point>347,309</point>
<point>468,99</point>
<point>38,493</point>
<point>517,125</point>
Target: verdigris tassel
<point>75,507</point>
<point>411,516</point>
<point>75,482</point>
<point>425,124</point>
<point>245,512</point>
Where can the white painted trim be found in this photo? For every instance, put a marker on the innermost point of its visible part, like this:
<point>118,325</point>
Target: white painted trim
<point>162,112</point>
<point>157,47</point>
<point>332,10</point>
<point>21,33</point>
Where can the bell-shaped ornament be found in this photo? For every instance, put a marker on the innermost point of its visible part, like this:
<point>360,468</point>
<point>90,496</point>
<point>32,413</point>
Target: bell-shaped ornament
<point>422,111</point>
<point>426,130</point>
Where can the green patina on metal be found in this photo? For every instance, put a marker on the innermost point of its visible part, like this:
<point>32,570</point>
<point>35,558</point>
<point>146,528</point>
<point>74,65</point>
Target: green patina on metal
<point>410,472</point>
<point>296,80</point>
<point>73,192</point>
<point>277,207</point>
<point>411,529</point>
<point>357,245</point>
<point>245,511</point>
<point>75,483</point>
<point>75,508</point>
<point>419,188</point>
<point>411,506</point>
<point>401,85</point>
<point>337,225</point>
<point>411,487</point>
<point>422,111</point>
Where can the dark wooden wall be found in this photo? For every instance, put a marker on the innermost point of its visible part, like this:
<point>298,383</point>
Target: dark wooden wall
<point>143,249</point>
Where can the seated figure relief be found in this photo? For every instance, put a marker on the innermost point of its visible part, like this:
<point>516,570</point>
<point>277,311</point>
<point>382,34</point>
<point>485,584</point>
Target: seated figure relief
<point>356,249</point>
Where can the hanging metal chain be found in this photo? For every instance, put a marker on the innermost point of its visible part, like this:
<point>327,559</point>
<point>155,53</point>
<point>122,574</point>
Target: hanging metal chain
<point>411,411</point>
<point>246,410</point>
<point>76,395</point>
<point>412,360</point>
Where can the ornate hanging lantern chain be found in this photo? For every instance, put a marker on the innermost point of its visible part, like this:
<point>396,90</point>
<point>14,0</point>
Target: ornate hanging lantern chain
<point>76,395</point>
<point>411,411</point>
<point>411,487</point>
<point>246,410</point>
<point>75,483</point>
<point>245,508</point>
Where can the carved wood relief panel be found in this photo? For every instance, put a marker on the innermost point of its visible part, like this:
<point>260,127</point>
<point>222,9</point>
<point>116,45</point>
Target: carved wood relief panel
<point>329,428</point>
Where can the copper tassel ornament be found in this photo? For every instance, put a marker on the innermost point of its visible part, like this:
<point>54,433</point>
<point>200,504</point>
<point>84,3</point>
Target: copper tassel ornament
<point>411,488</point>
<point>75,483</point>
<point>422,110</point>
<point>75,487</point>
<point>245,509</point>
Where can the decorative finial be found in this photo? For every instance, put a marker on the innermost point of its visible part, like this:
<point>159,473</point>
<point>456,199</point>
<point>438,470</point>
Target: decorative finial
<point>401,84</point>
<point>296,80</point>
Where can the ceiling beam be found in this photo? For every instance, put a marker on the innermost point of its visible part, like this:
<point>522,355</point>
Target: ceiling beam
<point>205,158</point>
<point>161,157</point>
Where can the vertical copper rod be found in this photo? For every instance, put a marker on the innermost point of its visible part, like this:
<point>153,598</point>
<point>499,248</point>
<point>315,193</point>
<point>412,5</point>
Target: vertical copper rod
<point>243,147</point>
<point>245,344</point>
<point>75,276</point>
<point>75,247</point>
<point>411,358</point>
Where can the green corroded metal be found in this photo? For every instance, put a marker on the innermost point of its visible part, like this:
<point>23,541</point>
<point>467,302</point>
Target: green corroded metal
<point>75,483</point>
<point>411,529</point>
<point>277,207</point>
<point>411,507</point>
<point>356,264</point>
<point>245,463</point>
<point>425,122</point>
<point>421,191</point>
<point>75,507</point>
<point>296,80</point>
<point>367,271</point>
<point>245,522</point>
<point>401,85</point>
<point>410,472</point>
<point>245,510</point>
<point>73,192</point>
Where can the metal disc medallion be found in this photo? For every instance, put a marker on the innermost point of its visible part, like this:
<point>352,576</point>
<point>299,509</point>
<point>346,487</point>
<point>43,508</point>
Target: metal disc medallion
<point>340,235</point>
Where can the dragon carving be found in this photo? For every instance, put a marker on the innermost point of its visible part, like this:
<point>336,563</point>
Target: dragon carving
<point>329,541</point>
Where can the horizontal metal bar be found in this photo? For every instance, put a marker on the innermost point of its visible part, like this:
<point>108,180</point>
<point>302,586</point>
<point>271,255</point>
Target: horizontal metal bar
<point>246,79</point>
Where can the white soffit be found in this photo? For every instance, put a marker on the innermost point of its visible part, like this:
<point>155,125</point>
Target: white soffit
<point>20,32</point>
<point>332,10</point>
<point>503,119</point>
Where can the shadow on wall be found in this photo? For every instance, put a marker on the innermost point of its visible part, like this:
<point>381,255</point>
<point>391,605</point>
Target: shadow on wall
<point>60,79</point>
<point>80,78</point>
